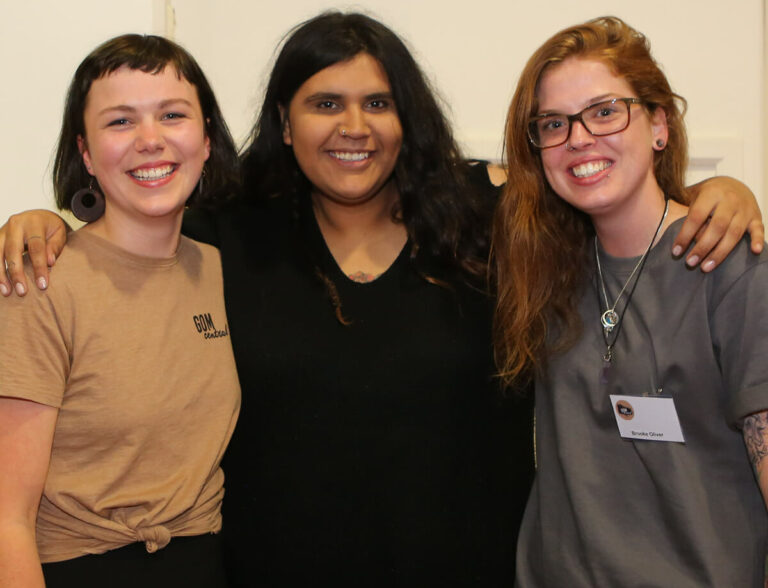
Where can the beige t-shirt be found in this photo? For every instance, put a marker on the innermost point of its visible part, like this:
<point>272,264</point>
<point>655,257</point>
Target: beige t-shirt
<point>135,352</point>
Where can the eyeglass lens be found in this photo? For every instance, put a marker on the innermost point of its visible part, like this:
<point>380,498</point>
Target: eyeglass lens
<point>604,118</point>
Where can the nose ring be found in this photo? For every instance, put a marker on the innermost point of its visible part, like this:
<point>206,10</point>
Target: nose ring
<point>568,147</point>
<point>343,132</point>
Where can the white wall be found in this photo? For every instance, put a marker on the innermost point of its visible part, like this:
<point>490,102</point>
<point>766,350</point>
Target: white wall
<point>712,51</point>
<point>41,44</point>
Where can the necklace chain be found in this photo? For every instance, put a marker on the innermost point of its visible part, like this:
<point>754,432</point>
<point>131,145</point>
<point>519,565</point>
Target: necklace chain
<point>610,319</point>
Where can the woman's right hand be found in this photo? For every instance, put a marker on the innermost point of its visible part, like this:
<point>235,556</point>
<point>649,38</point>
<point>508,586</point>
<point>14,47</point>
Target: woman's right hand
<point>43,233</point>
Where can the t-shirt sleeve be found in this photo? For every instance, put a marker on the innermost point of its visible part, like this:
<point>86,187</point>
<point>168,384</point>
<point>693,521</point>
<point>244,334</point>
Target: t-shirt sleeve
<point>740,337</point>
<point>34,359</point>
<point>480,181</point>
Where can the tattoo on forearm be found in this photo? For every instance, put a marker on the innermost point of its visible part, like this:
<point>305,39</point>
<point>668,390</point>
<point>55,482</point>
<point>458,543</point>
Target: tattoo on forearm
<point>755,431</point>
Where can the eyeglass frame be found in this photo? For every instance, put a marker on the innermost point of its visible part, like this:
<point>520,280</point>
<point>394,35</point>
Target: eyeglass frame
<point>571,118</point>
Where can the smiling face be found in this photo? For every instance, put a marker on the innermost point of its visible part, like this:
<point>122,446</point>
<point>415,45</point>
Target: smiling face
<point>343,126</point>
<point>144,142</point>
<point>599,175</point>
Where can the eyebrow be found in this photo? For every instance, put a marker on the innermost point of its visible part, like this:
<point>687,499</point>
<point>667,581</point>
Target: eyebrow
<point>128,108</point>
<point>334,96</point>
<point>591,102</point>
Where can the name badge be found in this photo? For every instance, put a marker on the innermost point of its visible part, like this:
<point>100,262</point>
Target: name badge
<point>652,418</point>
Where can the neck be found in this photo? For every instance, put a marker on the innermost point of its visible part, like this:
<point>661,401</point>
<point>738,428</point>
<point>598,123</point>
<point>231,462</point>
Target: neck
<point>357,219</point>
<point>364,239</point>
<point>625,230</point>
<point>153,237</point>
<point>631,239</point>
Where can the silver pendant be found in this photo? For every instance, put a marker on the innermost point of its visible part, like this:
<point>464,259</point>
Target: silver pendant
<point>609,320</point>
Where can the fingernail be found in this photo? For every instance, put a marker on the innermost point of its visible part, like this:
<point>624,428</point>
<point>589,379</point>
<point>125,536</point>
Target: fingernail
<point>708,266</point>
<point>20,289</point>
<point>692,260</point>
<point>4,290</point>
<point>41,283</point>
<point>677,251</point>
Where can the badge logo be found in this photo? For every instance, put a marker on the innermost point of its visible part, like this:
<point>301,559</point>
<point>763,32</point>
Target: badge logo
<point>205,326</point>
<point>624,410</point>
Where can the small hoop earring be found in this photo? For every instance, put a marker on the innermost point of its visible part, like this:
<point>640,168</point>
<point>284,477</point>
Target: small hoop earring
<point>87,204</point>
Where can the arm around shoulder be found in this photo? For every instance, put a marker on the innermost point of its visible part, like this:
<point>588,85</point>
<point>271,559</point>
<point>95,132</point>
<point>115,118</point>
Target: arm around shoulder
<point>722,210</point>
<point>42,234</point>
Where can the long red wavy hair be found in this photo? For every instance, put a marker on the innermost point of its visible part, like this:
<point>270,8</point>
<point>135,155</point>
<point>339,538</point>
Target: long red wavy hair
<point>539,246</point>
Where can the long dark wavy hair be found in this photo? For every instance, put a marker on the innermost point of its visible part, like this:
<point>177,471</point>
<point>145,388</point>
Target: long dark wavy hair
<point>150,54</point>
<point>447,222</point>
<point>540,242</point>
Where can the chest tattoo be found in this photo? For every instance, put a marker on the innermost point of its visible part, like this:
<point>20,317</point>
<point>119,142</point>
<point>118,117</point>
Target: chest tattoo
<point>362,277</point>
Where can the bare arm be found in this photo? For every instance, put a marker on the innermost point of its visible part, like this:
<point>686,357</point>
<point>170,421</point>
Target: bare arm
<point>26,436</point>
<point>733,210</point>
<point>43,234</point>
<point>756,439</point>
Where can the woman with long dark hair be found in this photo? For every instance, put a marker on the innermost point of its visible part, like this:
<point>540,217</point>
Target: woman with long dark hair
<point>374,446</point>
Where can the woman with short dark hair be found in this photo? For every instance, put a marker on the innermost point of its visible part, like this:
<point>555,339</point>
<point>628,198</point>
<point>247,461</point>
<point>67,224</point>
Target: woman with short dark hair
<point>118,388</point>
<point>374,444</point>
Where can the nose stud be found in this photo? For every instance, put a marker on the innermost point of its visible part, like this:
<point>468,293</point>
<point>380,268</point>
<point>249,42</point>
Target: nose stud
<point>343,132</point>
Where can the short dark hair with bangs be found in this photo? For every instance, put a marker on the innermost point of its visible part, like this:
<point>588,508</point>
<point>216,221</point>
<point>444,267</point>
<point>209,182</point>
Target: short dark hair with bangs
<point>150,54</point>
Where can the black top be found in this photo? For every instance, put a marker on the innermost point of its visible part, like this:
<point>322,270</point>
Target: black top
<point>378,453</point>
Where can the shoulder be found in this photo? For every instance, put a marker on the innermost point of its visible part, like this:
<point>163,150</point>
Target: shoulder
<point>189,245</point>
<point>741,261</point>
<point>485,177</point>
<point>253,214</point>
<point>198,258</point>
<point>497,174</point>
<point>199,223</point>
<point>71,264</point>
<point>741,271</point>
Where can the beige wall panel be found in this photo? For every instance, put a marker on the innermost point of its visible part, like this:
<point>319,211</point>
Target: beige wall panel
<point>712,51</point>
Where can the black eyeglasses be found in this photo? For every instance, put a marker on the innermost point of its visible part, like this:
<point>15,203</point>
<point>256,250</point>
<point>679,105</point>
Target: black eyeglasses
<point>604,118</point>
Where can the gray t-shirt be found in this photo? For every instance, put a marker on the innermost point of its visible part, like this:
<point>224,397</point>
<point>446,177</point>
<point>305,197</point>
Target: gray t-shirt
<point>608,511</point>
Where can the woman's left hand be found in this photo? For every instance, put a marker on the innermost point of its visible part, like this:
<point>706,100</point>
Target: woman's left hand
<point>723,209</point>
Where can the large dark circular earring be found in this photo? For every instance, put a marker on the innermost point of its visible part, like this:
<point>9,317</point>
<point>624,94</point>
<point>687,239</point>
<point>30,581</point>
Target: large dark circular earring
<point>87,204</point>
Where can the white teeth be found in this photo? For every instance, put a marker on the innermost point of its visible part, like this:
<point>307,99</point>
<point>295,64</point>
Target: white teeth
<point>347,156</point>
<point>154,173</point>
<point>590,169</point>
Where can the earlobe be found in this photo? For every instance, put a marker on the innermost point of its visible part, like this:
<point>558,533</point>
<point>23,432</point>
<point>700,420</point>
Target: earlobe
<point>659,129</point>
<point>207,139</point>
<point>286,124</point>
<point>82,147</point>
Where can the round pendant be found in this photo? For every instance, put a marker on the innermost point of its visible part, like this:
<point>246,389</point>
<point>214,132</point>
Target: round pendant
<point>609,319</point>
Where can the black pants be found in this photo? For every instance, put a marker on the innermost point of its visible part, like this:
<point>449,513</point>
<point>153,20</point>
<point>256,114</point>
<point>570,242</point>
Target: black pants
<point>188,562</point>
